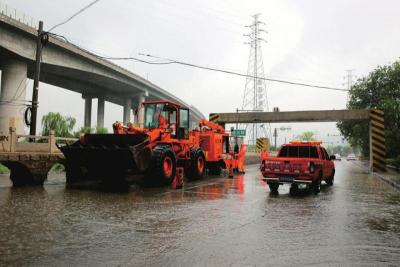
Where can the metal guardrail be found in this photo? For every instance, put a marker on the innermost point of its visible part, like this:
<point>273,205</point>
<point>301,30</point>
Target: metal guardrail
<point>18,16</point>
<point>393,168</point>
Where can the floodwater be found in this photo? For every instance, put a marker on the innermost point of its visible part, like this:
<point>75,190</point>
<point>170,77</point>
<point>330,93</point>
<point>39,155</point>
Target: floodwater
<point>214,222</point>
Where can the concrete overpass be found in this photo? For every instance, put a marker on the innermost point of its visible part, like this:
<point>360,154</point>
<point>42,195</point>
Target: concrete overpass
<point>374,116</point>
<point>71,67</point>
<point>291,116</point>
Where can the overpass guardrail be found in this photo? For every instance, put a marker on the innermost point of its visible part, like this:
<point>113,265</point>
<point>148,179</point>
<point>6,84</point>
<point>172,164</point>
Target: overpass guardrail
<point>15,14</point>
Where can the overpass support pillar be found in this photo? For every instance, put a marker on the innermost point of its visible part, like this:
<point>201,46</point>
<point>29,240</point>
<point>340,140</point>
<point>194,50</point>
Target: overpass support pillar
<point>88,112</point>
<point>100,112</point>
<point>127,110</point>
<point>12,97</point>
<point>140,113</point>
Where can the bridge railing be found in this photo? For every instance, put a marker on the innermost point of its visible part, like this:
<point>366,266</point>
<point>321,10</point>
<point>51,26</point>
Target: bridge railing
<point>18,15</point>
<point>31,143</point>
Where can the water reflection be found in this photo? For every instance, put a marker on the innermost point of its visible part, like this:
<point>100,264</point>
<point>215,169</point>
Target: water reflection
<point>218,221</point>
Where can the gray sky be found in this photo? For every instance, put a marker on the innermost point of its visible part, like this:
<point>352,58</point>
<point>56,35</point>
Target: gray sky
<point>308,41</point>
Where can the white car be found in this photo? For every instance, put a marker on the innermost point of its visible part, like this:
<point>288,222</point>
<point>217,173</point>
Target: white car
<point>338,157</point>
<point>351,157</point>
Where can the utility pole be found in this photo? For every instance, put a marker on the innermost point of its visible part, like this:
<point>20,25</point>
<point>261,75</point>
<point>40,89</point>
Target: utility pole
<point>237,112</point>
<point>275,136</point>
<point>36,78</point>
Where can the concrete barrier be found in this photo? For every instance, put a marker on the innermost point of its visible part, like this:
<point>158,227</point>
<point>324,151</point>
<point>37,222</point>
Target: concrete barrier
<point>252,158</point>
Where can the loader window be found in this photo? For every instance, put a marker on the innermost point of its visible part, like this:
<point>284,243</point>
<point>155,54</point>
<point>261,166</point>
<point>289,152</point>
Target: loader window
<point>152,115</point>
<point>184,118</point>
<point>183,130</point>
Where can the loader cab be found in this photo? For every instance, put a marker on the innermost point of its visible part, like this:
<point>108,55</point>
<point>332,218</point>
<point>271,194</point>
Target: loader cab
<point>167,115</point>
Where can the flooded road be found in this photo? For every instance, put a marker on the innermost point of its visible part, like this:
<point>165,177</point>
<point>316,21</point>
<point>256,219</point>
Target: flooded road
<point>214,222</point>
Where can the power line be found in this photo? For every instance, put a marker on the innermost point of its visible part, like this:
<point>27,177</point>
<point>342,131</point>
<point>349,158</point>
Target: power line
<point>171,61</point>
<point>140,60</point>
<point>74,15</point>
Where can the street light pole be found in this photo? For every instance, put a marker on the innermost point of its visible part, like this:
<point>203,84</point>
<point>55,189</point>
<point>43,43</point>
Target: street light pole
<point>36,78</point>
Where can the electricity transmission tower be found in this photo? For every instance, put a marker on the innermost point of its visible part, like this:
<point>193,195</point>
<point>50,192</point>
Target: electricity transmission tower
<point>349,81</point>
<point>255,92</point>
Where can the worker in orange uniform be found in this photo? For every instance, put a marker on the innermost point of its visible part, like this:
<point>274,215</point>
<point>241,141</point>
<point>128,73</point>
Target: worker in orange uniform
<point>162,122</point>
<point>264,154</point>
<point>241,157</point>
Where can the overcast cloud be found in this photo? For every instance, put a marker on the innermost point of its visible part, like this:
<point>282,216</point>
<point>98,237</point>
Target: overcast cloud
<point>308,41</point>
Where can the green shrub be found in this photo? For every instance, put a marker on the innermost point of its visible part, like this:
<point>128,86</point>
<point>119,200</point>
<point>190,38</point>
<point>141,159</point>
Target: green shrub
<point>57,168</point>
<point>101,130</point>
<point>4,169</point>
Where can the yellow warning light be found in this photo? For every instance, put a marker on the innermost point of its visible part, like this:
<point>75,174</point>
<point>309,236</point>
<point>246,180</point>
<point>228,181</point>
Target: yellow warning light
<point>298,142</point>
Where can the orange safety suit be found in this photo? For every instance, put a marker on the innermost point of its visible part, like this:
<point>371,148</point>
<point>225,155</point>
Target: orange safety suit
<point>162,122</point>
<point>264,154</point>
<point>241,158</point>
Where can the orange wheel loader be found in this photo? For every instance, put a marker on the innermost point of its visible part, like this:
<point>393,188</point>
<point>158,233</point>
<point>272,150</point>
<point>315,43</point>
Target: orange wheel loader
<point>149,155</point>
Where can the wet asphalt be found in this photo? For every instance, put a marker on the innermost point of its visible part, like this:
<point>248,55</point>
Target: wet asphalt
<point>214,222</point>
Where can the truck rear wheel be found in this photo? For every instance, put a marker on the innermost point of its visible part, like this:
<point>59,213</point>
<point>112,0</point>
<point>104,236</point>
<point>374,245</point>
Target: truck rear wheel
<point>316,185</point>
<point>294,189</point>
<point>197,165</point>
<point>331,178</point>
<point>162,167</point>
<point>273,187</point>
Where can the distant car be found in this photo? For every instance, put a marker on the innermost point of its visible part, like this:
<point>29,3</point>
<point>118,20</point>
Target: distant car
<point>338,157</point>
<point>351,157</point>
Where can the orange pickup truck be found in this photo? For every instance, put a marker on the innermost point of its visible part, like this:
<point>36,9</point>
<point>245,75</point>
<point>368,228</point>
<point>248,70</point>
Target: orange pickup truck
<point>299,164</point>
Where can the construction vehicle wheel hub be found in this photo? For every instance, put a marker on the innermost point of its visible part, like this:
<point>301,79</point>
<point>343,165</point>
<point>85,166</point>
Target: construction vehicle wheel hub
<point>167,166</point>
<point>200,164</point>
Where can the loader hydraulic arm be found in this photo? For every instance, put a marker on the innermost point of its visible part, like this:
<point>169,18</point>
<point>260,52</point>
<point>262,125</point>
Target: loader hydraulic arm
<point>211,125</point>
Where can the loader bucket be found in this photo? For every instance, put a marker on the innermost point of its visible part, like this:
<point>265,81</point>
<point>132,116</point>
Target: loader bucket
<point>107,157</point>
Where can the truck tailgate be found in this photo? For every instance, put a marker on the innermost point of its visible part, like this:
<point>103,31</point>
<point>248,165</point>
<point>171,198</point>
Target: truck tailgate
<point>286,165</point>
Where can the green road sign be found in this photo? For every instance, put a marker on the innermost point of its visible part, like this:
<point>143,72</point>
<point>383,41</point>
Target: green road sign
<point>239,132</point>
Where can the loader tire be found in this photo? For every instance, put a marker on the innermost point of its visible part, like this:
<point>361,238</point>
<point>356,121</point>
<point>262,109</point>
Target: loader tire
<point>162,167</point>
<point>197,164</point>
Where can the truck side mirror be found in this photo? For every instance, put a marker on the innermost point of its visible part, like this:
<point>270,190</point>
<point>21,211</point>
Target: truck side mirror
<point>332,157</point>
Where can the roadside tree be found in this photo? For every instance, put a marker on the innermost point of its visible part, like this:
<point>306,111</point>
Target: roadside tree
<point>307,136</point>
<point>380,90</point>
<point>61,125</point>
